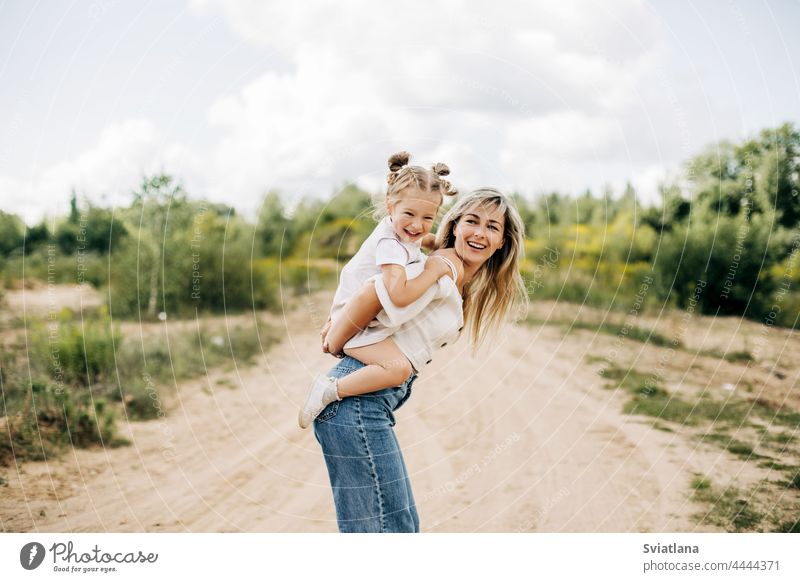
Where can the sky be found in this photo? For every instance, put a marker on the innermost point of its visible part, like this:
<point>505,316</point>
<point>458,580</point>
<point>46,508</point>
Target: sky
<point>239,97</point>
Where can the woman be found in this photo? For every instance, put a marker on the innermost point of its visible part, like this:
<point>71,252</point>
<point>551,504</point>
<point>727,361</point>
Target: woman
<point>484,234</point>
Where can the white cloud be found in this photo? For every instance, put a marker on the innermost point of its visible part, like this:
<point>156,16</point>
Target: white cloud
<point>569,134</point>
<point>526,93</point>
<point>115,165</point>
<point>533,95</point>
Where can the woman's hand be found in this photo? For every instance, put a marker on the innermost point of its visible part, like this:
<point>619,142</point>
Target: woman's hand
<point>323,334</point>
<point>429,242</point>
<point>327,346</point>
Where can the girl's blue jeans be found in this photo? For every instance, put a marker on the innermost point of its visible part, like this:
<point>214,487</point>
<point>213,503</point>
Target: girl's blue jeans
<point>371,488</point>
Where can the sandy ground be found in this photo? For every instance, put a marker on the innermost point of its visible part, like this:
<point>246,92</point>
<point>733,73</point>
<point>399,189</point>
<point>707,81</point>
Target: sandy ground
<point>523,438</point>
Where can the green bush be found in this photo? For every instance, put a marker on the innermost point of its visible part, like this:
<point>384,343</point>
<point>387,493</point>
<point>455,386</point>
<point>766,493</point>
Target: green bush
<point>48,264</point>
<point>733,255</point>
<point>146,371</point>
<point>52,418</point>
<point>300,276</point>
<point>72,350</point>
<point>202,263</point>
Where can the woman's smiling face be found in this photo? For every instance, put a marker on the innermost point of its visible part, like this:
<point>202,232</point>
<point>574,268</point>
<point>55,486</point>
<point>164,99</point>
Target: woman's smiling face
<point>479,233</point>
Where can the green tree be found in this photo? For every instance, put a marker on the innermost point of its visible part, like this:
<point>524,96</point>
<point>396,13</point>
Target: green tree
<point>11,233</point>
<point>66,237</point>
<point>156,197</point>
<point>274,227</point>
<point>674,210</point>
<point>764,170</point>
<point>74,214</point>
<point>733,255</point>
<point>102,232</point>
<point>35,236</point>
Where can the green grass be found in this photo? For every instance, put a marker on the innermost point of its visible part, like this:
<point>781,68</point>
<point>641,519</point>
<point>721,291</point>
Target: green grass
<point>730,508</point>
<point>650,399</point>
<point>741,449</point>
<point>631,380</point>
<point>99,375</point>
<point>776,415</point>
<point>793,480</point>
<point>74,350</point>
<point>636,333</point>
<point>643,335</point>
<point>661,404</point>
<point>775,465</point>
<point>791,526</point>
<point>736,447</point>
<point>51,419</point>
<point>739,356</point>
<point>783,438</point>
<point>146,373</point>
<point>664,406</point>
<point>735,356</point>
<point>735,510</point>
<point>662,427</point>
<point>699,483</point>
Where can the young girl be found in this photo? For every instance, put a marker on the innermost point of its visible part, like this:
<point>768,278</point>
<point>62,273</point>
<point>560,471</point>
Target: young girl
<point>413,198</point>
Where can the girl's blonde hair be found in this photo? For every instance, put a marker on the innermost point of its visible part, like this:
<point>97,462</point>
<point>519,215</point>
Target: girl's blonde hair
<point>402,178</point>
<point>497,287</point>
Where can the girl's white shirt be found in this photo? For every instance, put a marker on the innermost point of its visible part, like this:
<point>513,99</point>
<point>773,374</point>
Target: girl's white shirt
<point>431,322</point>
<point>427,324</point>
<point>382,247</point>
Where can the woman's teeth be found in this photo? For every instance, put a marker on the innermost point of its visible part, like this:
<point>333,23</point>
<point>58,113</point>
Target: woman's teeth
<point>475,245</point>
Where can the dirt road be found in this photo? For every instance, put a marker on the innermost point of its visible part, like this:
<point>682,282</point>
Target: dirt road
<point>523,438</point>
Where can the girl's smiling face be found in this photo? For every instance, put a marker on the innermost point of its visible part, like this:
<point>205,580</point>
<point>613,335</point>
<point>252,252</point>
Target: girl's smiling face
<point>479,233</point>
<point>413,215</point>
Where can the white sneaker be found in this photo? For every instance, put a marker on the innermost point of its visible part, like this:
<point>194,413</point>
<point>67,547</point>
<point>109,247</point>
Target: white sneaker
<point>321,393</point>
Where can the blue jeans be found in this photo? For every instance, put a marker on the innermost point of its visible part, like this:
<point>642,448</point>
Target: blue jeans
<point>371,488</point>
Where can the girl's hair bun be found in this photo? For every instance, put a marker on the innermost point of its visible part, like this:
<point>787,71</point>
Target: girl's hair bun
<point>441,169</point>
<point>399,160</point>
<point>447,188</point>
<point>402,176</point>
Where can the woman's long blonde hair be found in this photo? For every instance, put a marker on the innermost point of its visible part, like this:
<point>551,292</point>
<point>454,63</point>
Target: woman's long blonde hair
<point>497,287</point>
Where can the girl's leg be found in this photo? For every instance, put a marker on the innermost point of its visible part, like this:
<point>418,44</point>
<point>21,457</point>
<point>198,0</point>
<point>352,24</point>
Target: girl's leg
<point>386,367</point>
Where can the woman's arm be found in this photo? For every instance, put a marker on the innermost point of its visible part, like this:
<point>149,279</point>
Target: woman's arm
<point>374,297</point>
<point>403,291</point>
<point>359,310</point>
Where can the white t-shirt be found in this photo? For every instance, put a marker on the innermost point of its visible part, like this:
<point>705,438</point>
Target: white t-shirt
<point>382,247</point>
<point>431,322</point>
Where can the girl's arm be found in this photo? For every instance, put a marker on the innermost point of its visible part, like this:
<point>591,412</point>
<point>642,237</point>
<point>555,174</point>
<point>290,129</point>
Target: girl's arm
<point>403,291</point>
<point>451,254</point>
<point>366,304</point>
<point>359,310</point>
